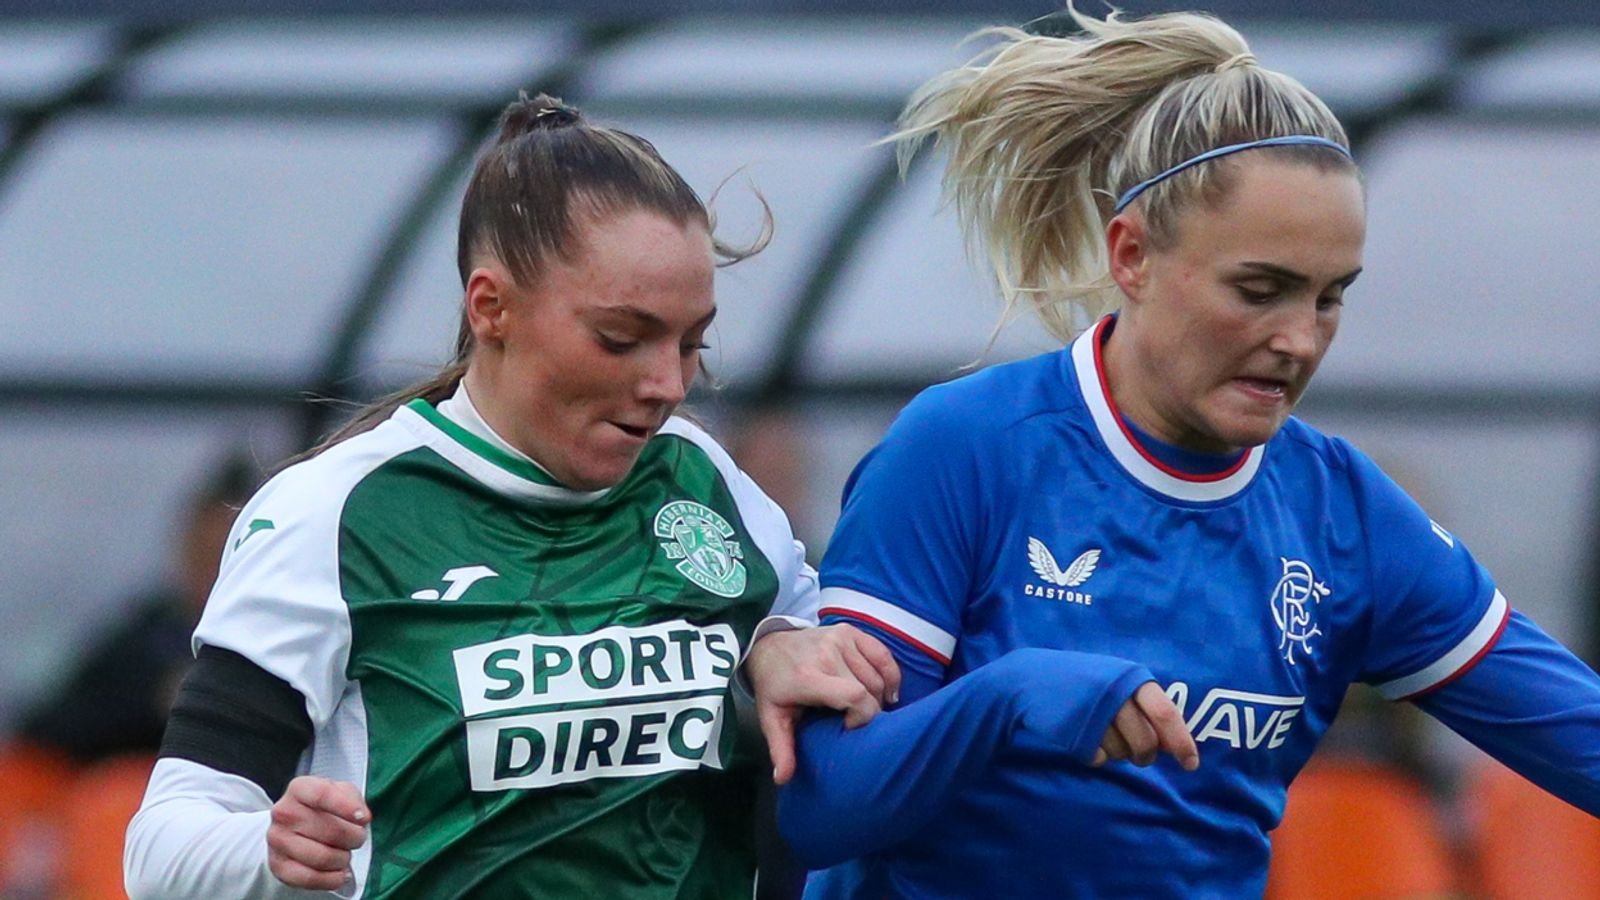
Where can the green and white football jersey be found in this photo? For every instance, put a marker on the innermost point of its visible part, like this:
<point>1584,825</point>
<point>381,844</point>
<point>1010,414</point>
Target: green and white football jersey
<point>530,685</point>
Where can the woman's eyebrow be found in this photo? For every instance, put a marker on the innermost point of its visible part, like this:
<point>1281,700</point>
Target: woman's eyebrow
<point>649,318</point>
<point>1294,277</point>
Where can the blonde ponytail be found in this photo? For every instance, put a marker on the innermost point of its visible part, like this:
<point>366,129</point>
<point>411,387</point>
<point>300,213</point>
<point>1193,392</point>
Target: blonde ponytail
<point>1043,133</point>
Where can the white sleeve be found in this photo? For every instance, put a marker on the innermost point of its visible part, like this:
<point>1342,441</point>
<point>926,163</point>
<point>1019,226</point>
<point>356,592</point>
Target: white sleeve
<point>802,599</point>
<point>796,606</point>
<point>277,601</point>
<point>202,834</point>
<point>799,593</point>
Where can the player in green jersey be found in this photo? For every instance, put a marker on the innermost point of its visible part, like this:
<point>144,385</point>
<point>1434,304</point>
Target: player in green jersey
<point>482,643</point>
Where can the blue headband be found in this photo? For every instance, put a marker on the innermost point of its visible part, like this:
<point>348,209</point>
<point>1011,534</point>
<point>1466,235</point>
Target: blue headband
<point>1291,140</point>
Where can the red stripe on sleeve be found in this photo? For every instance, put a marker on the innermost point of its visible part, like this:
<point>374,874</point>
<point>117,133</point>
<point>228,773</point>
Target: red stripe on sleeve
<point>935,655</point>
<point>1467,666</point>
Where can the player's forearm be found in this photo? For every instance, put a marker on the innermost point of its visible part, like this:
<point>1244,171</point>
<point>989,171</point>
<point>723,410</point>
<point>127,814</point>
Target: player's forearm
<point>201,834</point>
<point>1535,707</point>
<point>857,792</point>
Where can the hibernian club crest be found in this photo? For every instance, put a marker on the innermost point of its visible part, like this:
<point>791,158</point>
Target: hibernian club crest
<point>699,538</point>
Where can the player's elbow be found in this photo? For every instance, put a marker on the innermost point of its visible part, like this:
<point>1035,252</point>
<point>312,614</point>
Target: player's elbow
<point>139,877</point>
<point>823,824</point>
<point>830,812</point>
<point>815,835</point>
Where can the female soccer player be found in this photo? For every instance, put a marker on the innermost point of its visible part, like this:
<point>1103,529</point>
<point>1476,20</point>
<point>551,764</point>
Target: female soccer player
<point>1129,549</point>
<point>492,626</point>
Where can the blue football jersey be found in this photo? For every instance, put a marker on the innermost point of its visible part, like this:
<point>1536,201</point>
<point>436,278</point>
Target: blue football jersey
<point>1015,509</point>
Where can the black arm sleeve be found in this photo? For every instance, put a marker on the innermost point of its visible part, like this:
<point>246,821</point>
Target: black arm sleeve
<point>237,717</point>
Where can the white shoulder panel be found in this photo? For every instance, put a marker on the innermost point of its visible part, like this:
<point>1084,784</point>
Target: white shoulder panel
<point>277,600</point>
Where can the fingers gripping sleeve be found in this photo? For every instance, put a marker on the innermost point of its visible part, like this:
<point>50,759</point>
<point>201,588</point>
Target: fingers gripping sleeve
<point>857,792</point>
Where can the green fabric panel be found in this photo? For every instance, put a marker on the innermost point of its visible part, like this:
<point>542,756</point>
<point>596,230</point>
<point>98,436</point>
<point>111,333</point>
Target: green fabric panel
<point>561,574</point>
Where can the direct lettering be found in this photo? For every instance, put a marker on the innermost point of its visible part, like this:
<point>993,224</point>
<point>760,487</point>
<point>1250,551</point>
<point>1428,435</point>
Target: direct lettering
<point>543,749</point>
<point>558,760</point>
<point>641,734</point>
<point>678,740</point>
<point>512,743</point>
<point>595,739</point>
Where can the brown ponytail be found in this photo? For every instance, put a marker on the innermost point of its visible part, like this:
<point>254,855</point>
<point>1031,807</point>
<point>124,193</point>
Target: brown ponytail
<point>547,170</point>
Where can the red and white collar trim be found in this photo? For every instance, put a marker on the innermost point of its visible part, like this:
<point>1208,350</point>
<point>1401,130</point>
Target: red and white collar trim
<point>1126,450</point>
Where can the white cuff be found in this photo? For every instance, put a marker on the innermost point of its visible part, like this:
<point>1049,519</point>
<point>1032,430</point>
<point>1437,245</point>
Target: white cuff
<point>777,623</point>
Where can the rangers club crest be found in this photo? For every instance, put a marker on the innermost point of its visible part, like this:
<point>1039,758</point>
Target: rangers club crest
<point>700,539</point>
<point>1296,591</point>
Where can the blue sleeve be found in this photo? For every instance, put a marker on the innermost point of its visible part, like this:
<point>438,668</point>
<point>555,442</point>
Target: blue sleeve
<point>1535,707</point>
<point>910,531</point>
<point>1435,609</point>
<point>858,792</point>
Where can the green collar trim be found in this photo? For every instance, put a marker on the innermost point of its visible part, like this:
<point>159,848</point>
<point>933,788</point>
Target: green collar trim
<point>482,448</point>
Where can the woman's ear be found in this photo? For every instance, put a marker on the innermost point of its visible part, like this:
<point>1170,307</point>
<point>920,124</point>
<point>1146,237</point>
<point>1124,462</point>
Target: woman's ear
<point>1128,250</point>
<point>488,295</point>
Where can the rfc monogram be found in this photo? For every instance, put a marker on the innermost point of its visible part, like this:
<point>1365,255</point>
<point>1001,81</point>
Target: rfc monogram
<point>1296,591</point>
<point>700,540</point>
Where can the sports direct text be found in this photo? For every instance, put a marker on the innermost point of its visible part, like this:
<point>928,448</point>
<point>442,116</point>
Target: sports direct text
<point>650,698</point>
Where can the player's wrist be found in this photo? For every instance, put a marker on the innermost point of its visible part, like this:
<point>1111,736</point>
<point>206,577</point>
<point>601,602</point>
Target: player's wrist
<point>1065,696</point>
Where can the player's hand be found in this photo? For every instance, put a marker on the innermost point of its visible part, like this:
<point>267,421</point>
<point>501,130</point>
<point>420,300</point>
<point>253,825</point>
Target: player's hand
<point>836,666</point>
<point>1146,725</point>
<point>314,828</point>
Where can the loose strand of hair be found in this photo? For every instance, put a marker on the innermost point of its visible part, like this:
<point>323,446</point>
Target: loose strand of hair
<point>434,390</point>
<point>1032,127</point>
<point>728,253</point>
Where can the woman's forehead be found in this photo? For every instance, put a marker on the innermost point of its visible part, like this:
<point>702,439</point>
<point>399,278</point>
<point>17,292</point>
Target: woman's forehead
<point>1259,185</point>
<point>1275,208</point>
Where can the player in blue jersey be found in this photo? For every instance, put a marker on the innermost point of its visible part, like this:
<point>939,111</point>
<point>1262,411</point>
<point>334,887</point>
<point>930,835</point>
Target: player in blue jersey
<point>1126,589</point>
